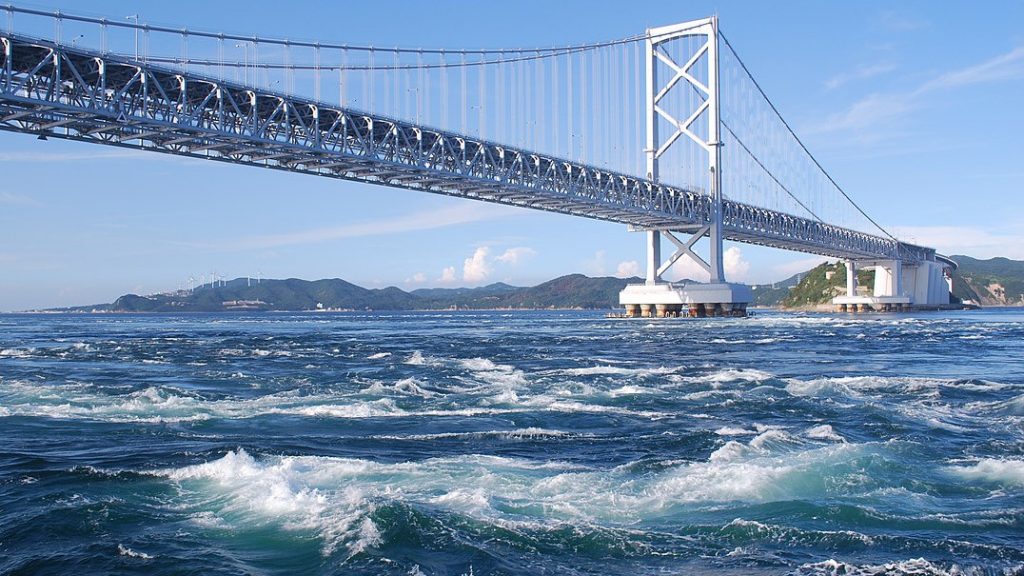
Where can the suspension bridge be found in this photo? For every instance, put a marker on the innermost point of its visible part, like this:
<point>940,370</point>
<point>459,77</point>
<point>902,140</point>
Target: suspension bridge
<point>667,132</point>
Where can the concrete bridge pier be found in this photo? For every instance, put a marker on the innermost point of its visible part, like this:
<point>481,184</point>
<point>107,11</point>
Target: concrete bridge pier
<point>898,286</point>
<point>715,298</point>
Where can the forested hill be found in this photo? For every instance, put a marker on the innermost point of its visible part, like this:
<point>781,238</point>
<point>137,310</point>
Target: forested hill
<point>992,282</point>
<point>572,291</point>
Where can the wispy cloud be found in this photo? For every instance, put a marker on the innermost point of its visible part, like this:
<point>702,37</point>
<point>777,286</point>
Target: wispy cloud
<point>875,111</point>
<point>46,157</point>
<point>426,220</point>
<point>1009,66</point>
<point>11,199</point>
<point>976,242</point>
<point>861,73</point>
<point>901,21</point>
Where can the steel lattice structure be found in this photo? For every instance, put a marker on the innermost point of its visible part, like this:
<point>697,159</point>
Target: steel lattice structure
<point>67,92</point>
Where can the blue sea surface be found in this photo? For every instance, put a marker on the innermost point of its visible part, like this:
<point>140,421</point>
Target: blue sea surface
<point>512,443</point>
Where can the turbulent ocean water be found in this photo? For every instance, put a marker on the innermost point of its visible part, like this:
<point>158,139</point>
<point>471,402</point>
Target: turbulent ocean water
<point>512,443</point>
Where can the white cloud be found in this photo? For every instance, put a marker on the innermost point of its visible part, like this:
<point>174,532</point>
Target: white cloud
<point>462,213</point>
<point>596,265</point>
<point>420,278</point>
<point>686,269</point>
<point>447,275</point>
<point>627,269</point>
<point>476,268</point>
<point>513,256</point>
<point>733,264</point>
<point>736,269</point>
<point>861,73</point>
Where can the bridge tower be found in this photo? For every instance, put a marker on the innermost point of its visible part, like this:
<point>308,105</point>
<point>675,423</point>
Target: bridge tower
<point>701,126</point>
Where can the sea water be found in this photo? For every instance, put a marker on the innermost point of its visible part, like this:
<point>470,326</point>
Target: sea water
<point>512,443</point>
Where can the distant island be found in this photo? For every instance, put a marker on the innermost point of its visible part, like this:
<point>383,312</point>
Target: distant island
<point>993,282</point>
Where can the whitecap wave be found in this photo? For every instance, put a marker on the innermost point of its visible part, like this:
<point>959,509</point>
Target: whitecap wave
<point>734,431</point>
<point>126,551</point>
<point>824,432</point>
<point>1006,472</point>
<point>914,567</point>
<point>604,370</point>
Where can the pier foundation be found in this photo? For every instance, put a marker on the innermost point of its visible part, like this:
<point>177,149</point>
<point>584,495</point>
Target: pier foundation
<point>665,300</point>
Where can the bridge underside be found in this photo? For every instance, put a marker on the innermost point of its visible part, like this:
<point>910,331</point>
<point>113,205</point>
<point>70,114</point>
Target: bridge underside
<point>52,90</point>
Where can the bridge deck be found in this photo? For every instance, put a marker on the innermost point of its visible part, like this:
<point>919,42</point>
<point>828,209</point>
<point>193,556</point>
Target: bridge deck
<point>80,95</point>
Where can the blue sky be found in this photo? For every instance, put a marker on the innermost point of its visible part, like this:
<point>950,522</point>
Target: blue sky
<point>914,107</point>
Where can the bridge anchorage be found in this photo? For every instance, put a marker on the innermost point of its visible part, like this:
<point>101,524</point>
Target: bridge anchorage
<point>720,161</point>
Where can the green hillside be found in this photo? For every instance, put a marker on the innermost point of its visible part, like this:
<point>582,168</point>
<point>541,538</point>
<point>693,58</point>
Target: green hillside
<point>992,282</point>
<point>822,283</point>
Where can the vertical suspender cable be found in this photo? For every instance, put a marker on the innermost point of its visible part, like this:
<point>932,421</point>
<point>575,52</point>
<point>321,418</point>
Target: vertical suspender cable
<point>444,90</point>
<point>482,81</point>
<point>462,110</point>
<point>399,97</point>
<point>502,106</point>
<point>289,72</point>
<point>569,103</point>
<point>419,85</point>
<point>316,72</point>
<point>556,88</point>
<point>343,97</point>
<point>371,82</point>
<point>584,110</point>
<point>538,106</point>
<point>390,77</point>
<point>426,104</point>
